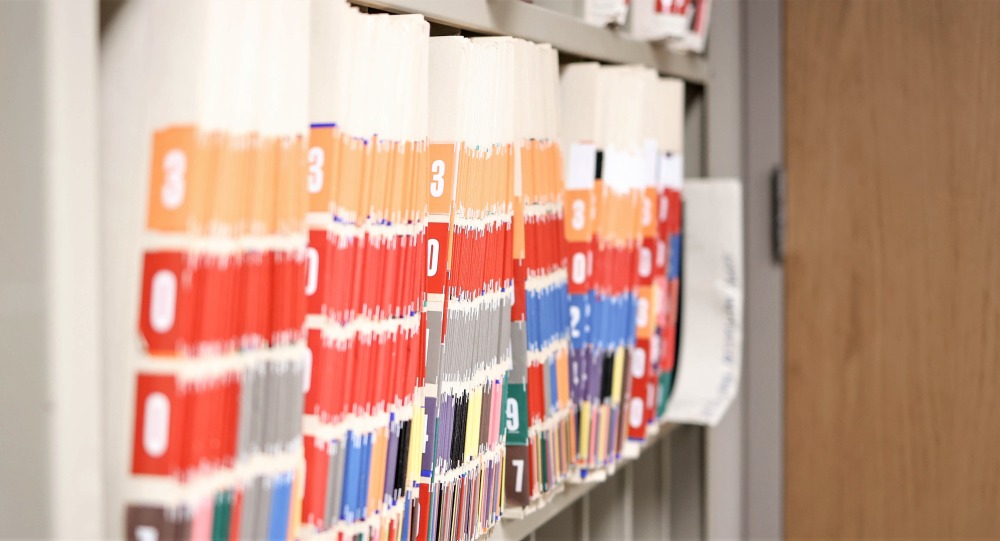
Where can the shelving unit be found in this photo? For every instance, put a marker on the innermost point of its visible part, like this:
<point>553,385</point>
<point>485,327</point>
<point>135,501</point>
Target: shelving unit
<point>697,489</point>
<point>698,471</point>
<point>541,25</point>
<point>575,39</point>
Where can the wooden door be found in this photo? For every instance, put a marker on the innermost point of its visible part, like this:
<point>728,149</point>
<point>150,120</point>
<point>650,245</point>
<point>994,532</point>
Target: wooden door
<point>893,270</point>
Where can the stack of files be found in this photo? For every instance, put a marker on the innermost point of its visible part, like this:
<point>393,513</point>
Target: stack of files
<point>602,128</point>
<point>469,285</point>
<point>665,149</point>
<point>540,439</point>
<point>217,448</point>
<point>652,362</point>
<point>365,285</point>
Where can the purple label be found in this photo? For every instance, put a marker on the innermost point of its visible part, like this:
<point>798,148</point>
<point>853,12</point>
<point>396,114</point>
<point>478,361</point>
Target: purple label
<point>427,441</point>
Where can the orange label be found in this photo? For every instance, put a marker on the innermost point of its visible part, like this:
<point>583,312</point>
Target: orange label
<point>562,371</point>
<point>322,156</point>
<point>176,179</point>
<point>379,190</point>
<point>230,172</point>
<point>644,313</point>
<point>596,210</point>
<point>399,208</point>
<point>577,212</point>
<point>529,173</point>
<point>366,177</point>
<point>556,167</point>
<point>248,188</point>
<point>290,174</point>
<point>648,212</point>
<point>441,178</point>
<point>348,198</point>
<point>417,165</point>
<point>261,211</point>
<point>518,243</point>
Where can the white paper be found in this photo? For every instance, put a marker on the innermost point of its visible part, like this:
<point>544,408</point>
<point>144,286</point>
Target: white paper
<point>581,163</point>
<point>711,331</point>
<point>645,23</point>
<point>694,37</point>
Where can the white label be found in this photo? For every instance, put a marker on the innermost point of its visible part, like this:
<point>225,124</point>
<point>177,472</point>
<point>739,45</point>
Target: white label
<point>579,270</point>
<point>649,163</point>
<point>574,320</point>
<point>513,415</point>
<point>581,166</point>
<point>163,301</point>
<point>312,271</point>
<point>174,179</point>
<point>426,433</point>
<point>519,476</point>
<point>672,171</point>
<point>636,410</point>
<point>156,424</point>
<point>647,211</point>
<point>146,533</point>
<point>579,218</point>
<point>307,367</point>
<point>645,262</point>
<point>317,157</point>
<point>437,178</point>
<point>638,362</point>
<point>642,313</point>
<point>433,249</point>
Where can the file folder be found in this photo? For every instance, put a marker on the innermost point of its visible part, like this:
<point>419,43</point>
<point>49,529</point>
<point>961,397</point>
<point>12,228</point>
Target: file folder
<point>221,358</point>
<point>365,293</point>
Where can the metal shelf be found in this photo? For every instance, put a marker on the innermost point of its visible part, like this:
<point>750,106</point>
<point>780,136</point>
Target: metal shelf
<point>516,529</point>
<point>123,77</point>
<point>564,32</point>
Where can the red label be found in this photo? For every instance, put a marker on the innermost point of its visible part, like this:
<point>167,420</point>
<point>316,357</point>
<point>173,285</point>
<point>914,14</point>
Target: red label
<point>166,320</point>
<point>517,311</point>
<point>639,374</point>
<point>578,267</point>
<point>425,508</point>
<point>316,272</point>
<point>314,499</point>
<point>159,416</point>
<point>437,257</point>
<point>317,400</point>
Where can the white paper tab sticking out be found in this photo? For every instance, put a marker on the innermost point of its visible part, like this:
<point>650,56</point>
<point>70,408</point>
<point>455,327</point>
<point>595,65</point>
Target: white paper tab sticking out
<point>711,348</point>
<point>581,165</point>
<point>671,171</point>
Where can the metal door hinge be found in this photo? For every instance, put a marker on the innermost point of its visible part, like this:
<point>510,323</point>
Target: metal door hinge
<point>778,194</point>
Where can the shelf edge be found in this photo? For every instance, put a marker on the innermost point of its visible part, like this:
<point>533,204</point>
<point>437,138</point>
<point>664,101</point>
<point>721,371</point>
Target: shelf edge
<point>541,25</point>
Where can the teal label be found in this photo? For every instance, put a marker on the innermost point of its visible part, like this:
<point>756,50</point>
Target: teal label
<point>516,414</point>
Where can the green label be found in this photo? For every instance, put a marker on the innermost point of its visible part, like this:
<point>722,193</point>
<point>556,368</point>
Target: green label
<point>515,407</point>
<point>663,393</point>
